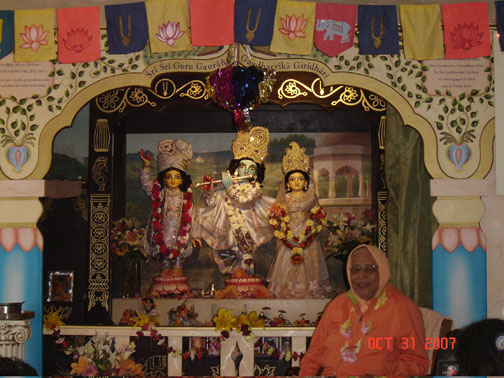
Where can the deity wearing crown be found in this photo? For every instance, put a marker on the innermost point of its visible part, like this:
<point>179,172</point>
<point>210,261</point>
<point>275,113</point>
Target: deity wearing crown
<point>169,233</point>
<point>298,269</point>
<point>234,222</point>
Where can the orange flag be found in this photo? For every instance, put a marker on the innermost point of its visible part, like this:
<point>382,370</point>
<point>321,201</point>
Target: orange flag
<point>78,34</point>
<point>34,35</point>
<point>212,22</point>
<point>293,29</point>
<point>466,33</point>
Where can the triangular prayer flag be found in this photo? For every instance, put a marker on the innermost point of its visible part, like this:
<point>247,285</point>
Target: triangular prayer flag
<point>334,28</point>
<point>466,32</point>
<point>253,21</point>
<point>378,30</point>
<point>127,29</point>
<point>212,22</point>
<point>168,25</point>
<point>7,30</point>
<point>293,29</point>
<point>34,35</point>
<point>428,44</point>
<point>78,34</point>
<point>499,17</point>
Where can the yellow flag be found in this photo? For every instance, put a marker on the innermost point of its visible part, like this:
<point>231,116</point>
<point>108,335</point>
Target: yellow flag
<point>34,35</point>
<point>422,32</point>
<point>168,25</point>
<point>293,28</point>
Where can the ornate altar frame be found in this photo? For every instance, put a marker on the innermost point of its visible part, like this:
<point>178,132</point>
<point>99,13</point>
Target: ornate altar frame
<point>112,112</point>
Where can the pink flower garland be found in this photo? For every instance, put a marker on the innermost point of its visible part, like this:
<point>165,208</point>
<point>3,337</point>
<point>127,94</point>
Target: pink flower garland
<point>157,225</point>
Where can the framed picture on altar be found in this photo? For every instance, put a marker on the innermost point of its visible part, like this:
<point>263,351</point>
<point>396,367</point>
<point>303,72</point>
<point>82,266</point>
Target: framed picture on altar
<point>60,286</point>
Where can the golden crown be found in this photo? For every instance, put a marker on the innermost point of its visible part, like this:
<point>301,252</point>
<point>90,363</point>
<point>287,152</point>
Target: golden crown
<point>251,144</point>
<point>295,159</point>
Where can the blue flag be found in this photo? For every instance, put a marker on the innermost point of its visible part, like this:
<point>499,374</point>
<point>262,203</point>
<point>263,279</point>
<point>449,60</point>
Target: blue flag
<point>378,31</point>
<point>253,21</point>
<point>499,17</point>
<point>126,27</point>
<point>7,36</point>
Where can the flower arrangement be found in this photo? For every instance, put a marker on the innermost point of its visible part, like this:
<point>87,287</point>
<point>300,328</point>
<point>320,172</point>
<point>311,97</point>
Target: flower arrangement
<point>226,322</point>
<point>101,357</point>
<point>279,220</point>
<point>346,232</point>
<point>98,357</point>
<point>127,240</point>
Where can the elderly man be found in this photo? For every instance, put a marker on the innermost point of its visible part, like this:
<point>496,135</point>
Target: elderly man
<point>372,329</point>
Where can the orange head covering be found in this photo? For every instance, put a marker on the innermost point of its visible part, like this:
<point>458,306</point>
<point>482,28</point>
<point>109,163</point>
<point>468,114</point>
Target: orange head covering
<point>383,270</point>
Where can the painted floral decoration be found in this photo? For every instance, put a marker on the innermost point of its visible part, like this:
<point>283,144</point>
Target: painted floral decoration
<point>293,26</point>
<point>346,231</point>
<point>466,36</point>
<point>34,37</point>
<point>169,33</point>
<point>77,40</point>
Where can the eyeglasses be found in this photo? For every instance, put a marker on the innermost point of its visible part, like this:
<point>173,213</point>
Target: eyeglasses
<point>368,269</point>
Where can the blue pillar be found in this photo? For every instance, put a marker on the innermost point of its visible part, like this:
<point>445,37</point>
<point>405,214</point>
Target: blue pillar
<point>21,280</point>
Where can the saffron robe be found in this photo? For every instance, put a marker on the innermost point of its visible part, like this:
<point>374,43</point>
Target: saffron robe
<point>386,340</point>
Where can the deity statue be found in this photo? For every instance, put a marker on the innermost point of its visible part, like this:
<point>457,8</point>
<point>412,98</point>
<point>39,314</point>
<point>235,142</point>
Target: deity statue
<point>235,220</point>
<point>298,269</point>
<point>169,233</point>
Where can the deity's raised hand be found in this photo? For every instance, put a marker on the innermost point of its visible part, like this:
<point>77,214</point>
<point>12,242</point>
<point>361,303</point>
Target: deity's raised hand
<point>226,180</point>
<point>146,159</point>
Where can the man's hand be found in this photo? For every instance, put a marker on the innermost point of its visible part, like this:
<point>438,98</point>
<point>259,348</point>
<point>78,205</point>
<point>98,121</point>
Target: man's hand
<point>226,180</point>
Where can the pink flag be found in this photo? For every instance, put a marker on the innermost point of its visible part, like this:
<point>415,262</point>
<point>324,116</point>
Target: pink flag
<point>334,28</point>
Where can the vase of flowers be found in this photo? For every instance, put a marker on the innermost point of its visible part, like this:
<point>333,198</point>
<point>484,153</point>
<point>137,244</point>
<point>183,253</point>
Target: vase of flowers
<point>347,231</point>
<point>127,249</point>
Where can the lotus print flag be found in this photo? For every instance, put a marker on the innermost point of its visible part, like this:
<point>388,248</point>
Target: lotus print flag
<point>378,31</point>
<point>78,34</point>
<point>293,28</point>
<point>466,32</point>
<point>168,25</point>
<point>253,21</point>
<point>422,31</point>
<point>334,28</point>
<point>34,35</point>
<point>127,29</point>
<point>7,33</point>
<point>499,17</point>
<point>212,22</point>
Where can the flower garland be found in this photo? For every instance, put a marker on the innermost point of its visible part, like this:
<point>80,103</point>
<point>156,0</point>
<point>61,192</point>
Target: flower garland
<point>243,238</point>
<point>157,219</point>
<point>279,220</point>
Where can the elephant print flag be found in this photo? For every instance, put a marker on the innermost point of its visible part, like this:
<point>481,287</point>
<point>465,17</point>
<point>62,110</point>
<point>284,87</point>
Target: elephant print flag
<point>466,32</point>
<point>7,33</point>
<point>78,34</point>
<point>212,22</point>
<point>334,28</point>
<point>427,44</point>
<point>34,35</point>
<point>293,28</point>
<point>253,21</point>
<point>127,29</point>
<point>168,25</point>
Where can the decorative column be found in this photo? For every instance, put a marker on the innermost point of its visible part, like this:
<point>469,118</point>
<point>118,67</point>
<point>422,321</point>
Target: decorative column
<point>332,189</point>
<point>13,336</point>
<point>362,186</point>
<point>459,251</point>
<point>349,177</point>
<point>21,247</point>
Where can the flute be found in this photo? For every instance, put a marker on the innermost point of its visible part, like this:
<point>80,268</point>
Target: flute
<point>198,184</point>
